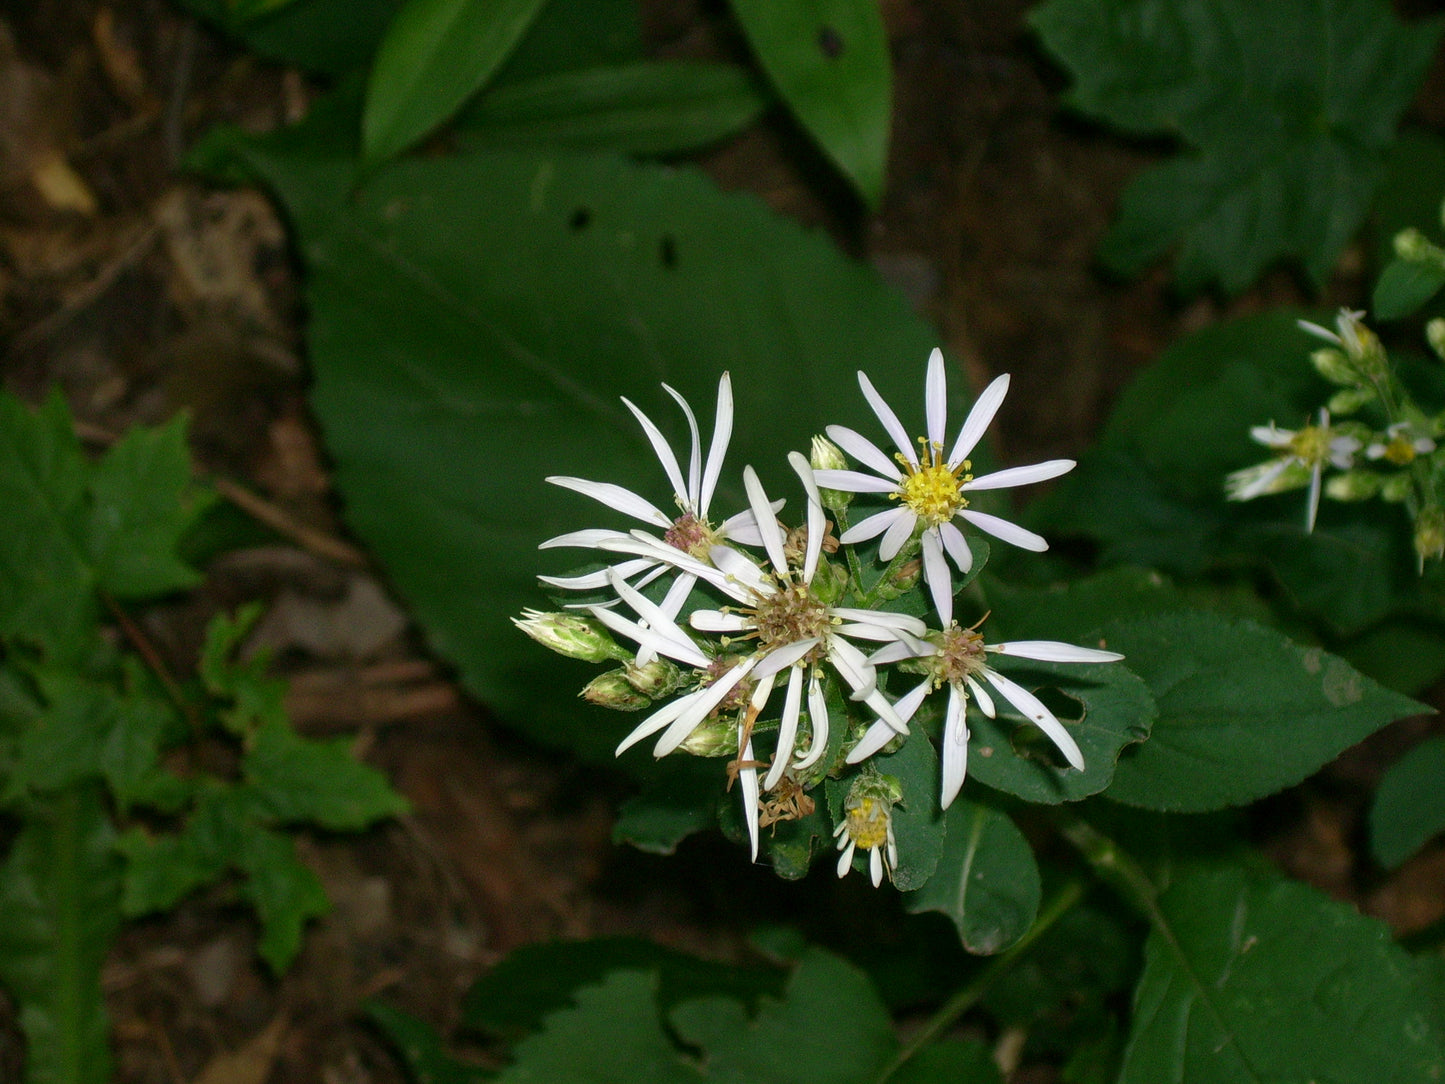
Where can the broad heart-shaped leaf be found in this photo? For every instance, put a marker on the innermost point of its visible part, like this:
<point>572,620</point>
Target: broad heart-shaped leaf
<point>436,55</point>
<point>1409,805</point>
<point>649,107</point>
<point>1403,287</point>
<point>611,1032</point>
<point>1287,109</point>
<point>987,882</point>
<point>74,527</point>
<point>60,898</point>
<point>1250,978</point>
<point>1243,711</point>
<point>474,321</point>
<point>829,60</point>
<point>829,1027</point>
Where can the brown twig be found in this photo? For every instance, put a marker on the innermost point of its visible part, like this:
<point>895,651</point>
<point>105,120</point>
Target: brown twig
<point>279,520</point>
<point>157,665</point>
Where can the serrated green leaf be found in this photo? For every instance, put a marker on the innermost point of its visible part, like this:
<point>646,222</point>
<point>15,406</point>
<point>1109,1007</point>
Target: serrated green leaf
<point>1403,287</point>
<point>1409,804</point>
<point>449,385</point>
<point>1243,711</point>
<point>647,108</point>
<point>251,698</point>
<point>282,889</point>
<point>618,1015</point>
<point>1257,979</point>
<point>829,60</point>
<point>535,980</point>
<point>436,55</point>
<point>297,780</point>
<point>829,1027</point>
<point>60,895</point>
<point>987,882</point>
<point>421,1048</point>
<point>1287,109</point>
<point>162,869</point>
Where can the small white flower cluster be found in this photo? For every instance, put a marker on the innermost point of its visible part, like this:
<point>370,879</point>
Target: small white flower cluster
<point>1369,462</point>
<point>789,620</point>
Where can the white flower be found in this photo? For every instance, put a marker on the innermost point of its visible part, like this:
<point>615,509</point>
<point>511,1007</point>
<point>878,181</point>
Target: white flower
<point>932,488</point>
<point>1401,445</point>
<point>1301,458</point>
<point>789,627</point>
<point>689,530</point>
<point>958,657</point>
<point>868,823</point>
<point>1352,336</point>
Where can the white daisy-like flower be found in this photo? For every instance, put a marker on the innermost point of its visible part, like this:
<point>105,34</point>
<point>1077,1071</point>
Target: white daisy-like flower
<point>932,487</point>
<point>867,823</point>
<point>688,530</point>
<point>1301,455</point>
<point>1401,446</point>
<point>958,658</point>
<point>790,629</point>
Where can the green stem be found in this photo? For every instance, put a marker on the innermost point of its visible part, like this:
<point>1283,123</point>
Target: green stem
<point>1115,867</point>
<point>966,998</point>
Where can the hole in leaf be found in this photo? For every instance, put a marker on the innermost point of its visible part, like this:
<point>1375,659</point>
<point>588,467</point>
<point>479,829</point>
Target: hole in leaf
<point>580,220</point>
<point>1031,742</point>
<point>667,252</point>
<point>830,42</point>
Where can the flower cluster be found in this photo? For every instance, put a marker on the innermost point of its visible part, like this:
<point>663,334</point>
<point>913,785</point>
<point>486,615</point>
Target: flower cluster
<point>746,639</point>
<point>1397,459</point>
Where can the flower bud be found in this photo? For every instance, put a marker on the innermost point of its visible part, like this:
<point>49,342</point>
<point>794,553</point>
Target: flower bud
<point>657,679</point>
<point>1334,367</point>
<point>571,634</point>
<point>1410,244</point>
<point>1349,400</point>
<point>1430,532</point>
<point>1396,488</point>
<point>1435,336</point>
<point>1354,485</point>
<point>825,455</point>
<point>613,690</point>
<point>716,736</point>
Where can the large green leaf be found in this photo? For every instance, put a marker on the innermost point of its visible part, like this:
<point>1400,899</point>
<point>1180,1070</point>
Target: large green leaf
<point>60,898</point>
<point>327,36</point>
<point>474,321</point>
<point>1243,711</point>
<point>1286,110</point>
<point>987,882</point>
<point>1256,979</point>
<point>1409,805</point>
<point>829,60</point>
<point>436,54</point>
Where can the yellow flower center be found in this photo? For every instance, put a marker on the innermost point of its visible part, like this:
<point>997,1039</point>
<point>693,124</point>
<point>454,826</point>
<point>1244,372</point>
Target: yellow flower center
<point>868,823</point>
<point>790,614</point>
<point>932,489</point>
<point>694,536</point>
<point>960,655</point>
<point>1310,445</point>
<point>1400,451</point>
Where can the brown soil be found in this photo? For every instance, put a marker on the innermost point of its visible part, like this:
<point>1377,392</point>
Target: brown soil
<point>140,292</point>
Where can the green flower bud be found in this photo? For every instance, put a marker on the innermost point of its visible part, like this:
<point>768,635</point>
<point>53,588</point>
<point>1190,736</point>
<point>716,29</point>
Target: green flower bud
<point>1430,532</point>
<point>1410,244</point>
<point>1435,336</point>
<point>1396,488</point>
<point>1349,400</point>
<point>716,736</point>
<point>657,679</point>
<point>1354,485</point>
<point>613,690</point>
<point>825,455</point>
<point>571,634</point>
<point>829,582</point>
<point>1335,367</point>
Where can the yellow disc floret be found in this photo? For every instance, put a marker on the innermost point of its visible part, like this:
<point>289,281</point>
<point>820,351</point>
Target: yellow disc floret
<point>1310,445</point>
<point>867,822</point>
<point>933,489</point>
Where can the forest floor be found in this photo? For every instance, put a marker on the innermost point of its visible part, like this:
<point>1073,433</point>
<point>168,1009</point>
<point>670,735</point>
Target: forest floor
<point>141,291</point>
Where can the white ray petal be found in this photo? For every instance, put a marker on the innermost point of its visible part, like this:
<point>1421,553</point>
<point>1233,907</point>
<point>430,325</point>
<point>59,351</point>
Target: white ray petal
<point>955,746</point>
<point>864,450</point>
<point>699,710</point>
<point>817,520</point>
<point>875,865</point>
<point>899,532</point>
<point>676,597</point>
<point>722,432</point>
<point>1009,532</point>
<point>617,498</point>
<point>905,647</point>
<point>1020,476</point>
<point>1313,506</point>
<point>767,525</point>
<point>694,458</point>
<point>1052,651</point>
<point>875,524</point>
<point>956,546</point>
<point>888,419</point>
<point>593,580</point>
<point>984,408</point>
<point>1034,710</point>
<point>818,722</point>
<point>661,448</point>
<point>853,666</point>
<point>881,618</point>
<point>719,621</point>
<point>981,696</point>
<point>659,719</point>
<point>780,658</point>
<point>874,738</point>
<point>937,575</point>
<point>743,579</point>
<point>743,527</point>
<point>592,538</point>
<point>852,481</point>
<point>787,730</point>
<point>935,398</point>
<point>748,784</point>
<point>656,616</point>
<point>885,711</point>
<point>845,860</point>
<point>649,637</point>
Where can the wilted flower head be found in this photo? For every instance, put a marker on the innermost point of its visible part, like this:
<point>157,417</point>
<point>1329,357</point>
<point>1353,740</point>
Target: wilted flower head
<point>868,824</point>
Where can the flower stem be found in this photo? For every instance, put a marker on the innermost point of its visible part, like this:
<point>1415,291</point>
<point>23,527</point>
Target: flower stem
<point>968,996</point>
